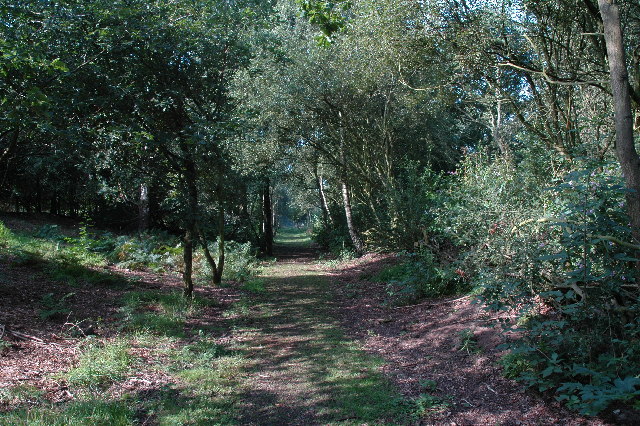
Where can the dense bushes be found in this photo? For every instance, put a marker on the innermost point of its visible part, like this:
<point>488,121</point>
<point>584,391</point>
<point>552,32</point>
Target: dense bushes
<point>421,275</point>
<point>555,253</point>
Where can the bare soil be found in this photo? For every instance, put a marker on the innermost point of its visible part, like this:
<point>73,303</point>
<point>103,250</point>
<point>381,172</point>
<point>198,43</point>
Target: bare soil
<point>423,342</point>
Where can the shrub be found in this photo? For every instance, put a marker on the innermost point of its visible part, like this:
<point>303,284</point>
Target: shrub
<point>571,283</point>
<point>420,276</point>
<point>157,251</point>
<point>240,262</point>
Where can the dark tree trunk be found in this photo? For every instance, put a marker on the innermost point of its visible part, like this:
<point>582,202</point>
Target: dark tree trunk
<point>190,221</point>
<point>267,217</point>
<point>625,147</point>
<point>187,280</point>
<point>55,205</point>
<point>216,269</point>
<point>38,196</point>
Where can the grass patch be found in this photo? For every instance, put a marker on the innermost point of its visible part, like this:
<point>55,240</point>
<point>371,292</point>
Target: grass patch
<point>101,365</point>
<point>89,413</point>
<point>159,313</point>
<point>21,394</point>
<point>293,237</point>
<point>213,380</point>
<point>255,285</point>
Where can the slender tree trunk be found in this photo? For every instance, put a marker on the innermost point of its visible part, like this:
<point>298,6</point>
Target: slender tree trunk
<point>625,147</point>
<point>210,260</point>
<point>216,269</point>
<point>143,208</point>
<point>353,232</point>
<point>55,204</point>
<point>190,221</point>
<point>217,277</point>
<point>38,196</point>
<point>187,280</point>
<point>267,217</point>
<point>346,196</point>
<point>326,213</point>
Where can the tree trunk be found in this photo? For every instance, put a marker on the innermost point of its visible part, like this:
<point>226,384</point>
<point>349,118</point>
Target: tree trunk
<point>353,232</point>
<point>217,277</point>
<point>625,147</point>
<point>346,196</point>
<point>187,280</point>
<point>190,221</point>
<point>55,204</point>
<point>143,208</point>
<point>216,269</point>
<point>326,213</point>
<point>267,217</point>
<point>38,196</point>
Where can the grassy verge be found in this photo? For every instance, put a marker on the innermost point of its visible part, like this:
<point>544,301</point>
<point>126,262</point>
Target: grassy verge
<point>152,367</point>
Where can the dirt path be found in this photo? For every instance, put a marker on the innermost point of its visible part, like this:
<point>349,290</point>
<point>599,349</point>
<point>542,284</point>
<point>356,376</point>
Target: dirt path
<point>324,350</point>
<point>303,369</point>
<point>305,343</point>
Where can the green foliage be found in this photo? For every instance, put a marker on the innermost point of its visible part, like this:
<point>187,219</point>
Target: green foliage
<point>428,385</point>
<point>420,276</point>
<point>328,16</point>
<point>5,235</point>
<point>558,257</point>
<point>49,232</point>
<point>100,365</point>
<point>468,342</point>
<point>255,285</point>
<point>426,403</point>
<point>240,262</point>
<point>55,307</point>
<point>156,251</point>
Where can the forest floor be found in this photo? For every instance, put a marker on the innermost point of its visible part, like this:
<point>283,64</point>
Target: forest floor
<point>308,341</point>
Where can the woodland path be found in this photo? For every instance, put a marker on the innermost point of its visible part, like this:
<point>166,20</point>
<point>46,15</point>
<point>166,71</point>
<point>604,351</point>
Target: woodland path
<point>323,350</point>
<point>304,369</point>
<point>308,342</point>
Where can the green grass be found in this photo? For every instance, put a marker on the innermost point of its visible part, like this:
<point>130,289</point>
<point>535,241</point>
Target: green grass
<point>86,412</point>
<point>282,330</point>
<point>159,313</point>
<point>293,237</point>
<point>101,365</point>
<point>324,371</point>
<point>255,285</point>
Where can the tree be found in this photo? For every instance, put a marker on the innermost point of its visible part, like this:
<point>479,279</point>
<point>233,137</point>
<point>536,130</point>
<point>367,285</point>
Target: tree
<point>625,143</point>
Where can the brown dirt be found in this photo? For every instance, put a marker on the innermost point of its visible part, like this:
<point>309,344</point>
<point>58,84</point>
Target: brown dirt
<point>52,345</point>
<point>423,342</point>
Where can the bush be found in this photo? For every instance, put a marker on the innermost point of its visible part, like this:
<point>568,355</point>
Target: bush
<point>157,251</point>
<point>5,235</point>
<point>240,262</point>
<point>556,254</point>
<point>420,276</point>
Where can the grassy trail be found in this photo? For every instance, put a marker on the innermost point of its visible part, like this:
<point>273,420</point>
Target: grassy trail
<point>271,353</point>
<point>303,370</point>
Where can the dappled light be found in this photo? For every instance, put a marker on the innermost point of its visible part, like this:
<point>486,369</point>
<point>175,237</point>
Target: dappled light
<point>320,212</point>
